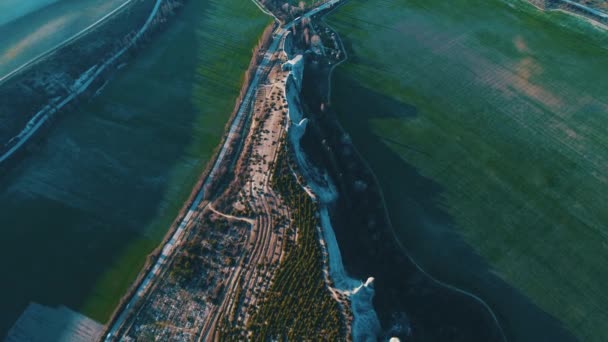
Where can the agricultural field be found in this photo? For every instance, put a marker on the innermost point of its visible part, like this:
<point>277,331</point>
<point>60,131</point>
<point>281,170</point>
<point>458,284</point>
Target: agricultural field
<point>13,9</point>
<point>484,122</point>
<point>30,28</point>
<point>90,201</point>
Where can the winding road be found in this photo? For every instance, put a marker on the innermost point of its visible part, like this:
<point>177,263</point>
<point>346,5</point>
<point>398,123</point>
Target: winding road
<point>63,43</point>
<point>238,121</point>
<point>82,84</point>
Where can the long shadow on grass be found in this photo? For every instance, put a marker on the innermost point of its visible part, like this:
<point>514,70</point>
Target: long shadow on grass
<point>404,295</point>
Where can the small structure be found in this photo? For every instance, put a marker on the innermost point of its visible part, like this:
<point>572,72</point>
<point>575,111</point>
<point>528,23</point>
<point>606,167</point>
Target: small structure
<point>40,323</point>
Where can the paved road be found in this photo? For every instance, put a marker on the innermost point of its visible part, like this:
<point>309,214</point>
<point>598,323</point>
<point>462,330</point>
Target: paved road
<point>63,43</point>
<point>169,247</point>
<point>78,88</point>
<point>588,9</point>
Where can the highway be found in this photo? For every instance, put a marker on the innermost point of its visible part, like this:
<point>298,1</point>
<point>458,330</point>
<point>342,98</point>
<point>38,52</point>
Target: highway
<point>170,246</point>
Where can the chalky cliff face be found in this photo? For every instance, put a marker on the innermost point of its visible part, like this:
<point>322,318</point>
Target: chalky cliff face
<point>365,324</point>
<point>456,142</point>
<point>247,259</point>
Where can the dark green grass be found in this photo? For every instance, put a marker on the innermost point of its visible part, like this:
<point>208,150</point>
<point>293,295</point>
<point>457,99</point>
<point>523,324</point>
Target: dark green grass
<point>298,305</point>
<point>82,211</point>
<point>485,124</point>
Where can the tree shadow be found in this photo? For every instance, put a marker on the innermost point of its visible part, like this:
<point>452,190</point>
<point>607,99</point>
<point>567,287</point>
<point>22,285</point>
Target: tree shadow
<point>409,303</point>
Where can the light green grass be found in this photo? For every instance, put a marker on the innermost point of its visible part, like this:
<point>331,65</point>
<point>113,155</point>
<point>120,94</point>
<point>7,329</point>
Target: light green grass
<point>485,124</point>
<point>188,71</point>
<point>81,213</point>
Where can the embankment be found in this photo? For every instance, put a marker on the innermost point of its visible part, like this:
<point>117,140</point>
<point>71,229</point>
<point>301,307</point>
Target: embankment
<point>263,43</point>
<point>409,303</point>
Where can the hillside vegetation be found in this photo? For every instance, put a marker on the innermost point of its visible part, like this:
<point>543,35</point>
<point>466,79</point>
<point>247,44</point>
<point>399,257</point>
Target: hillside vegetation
<point>100,191</point>
<point>298,305</point>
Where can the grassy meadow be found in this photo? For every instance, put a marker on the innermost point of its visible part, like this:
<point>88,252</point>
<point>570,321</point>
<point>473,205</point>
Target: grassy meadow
<point>485,123</point>
<point>84,208</point>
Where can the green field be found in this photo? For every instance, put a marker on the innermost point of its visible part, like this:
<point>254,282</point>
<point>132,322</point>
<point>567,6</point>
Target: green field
<point>81,212</point>
<point>485,123</point>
